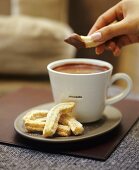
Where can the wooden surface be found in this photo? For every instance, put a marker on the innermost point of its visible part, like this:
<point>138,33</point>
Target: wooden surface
<point>7,86</point>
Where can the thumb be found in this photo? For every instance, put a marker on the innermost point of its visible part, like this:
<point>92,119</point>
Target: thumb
<point>108,32</point>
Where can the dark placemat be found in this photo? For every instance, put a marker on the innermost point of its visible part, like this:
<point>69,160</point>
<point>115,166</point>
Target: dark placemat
<point>100,147</point>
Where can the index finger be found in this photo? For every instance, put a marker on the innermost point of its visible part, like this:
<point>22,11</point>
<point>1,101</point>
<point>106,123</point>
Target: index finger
<point>111,15</point>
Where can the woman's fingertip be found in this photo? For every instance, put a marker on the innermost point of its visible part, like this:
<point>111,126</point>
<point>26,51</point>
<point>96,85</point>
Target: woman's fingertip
<point>97,36</point>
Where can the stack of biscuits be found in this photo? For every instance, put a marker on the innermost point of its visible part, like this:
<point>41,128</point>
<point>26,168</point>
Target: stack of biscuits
<point>59,120</point>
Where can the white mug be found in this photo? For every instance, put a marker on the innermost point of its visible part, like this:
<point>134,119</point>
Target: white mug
<point>88,91</point>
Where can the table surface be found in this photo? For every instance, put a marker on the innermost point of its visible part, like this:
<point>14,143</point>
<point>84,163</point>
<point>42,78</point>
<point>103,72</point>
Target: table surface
<point>126,156</point>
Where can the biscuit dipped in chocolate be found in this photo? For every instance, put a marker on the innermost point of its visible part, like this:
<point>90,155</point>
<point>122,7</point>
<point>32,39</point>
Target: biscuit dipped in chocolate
<point>75,40</point>
<point>80,41</point>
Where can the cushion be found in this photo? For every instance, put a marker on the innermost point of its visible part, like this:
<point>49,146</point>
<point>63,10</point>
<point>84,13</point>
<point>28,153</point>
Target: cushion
<point>28,44</point>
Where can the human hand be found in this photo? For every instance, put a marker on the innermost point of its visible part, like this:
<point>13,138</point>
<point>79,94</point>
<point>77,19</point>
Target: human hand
<point>118,34</point>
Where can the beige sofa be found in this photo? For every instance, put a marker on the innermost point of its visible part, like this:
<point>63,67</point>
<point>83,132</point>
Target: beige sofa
<point>32,36</point>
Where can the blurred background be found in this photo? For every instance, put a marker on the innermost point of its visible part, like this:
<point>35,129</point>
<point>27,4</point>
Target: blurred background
<point>32,34</point>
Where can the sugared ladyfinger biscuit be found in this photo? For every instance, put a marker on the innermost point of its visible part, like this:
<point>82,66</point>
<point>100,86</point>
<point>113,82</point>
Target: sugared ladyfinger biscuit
<point>89,43</point>
<point>63,130</point>
<point>80,41</point>
<point>35,114</point>
<point>53,117</point>
<point>36,126</point>
<point>76,127</point>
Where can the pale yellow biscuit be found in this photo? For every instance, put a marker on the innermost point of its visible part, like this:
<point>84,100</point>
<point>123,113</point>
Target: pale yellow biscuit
<point>76,127</point>
<point>54,116</point>
<point>36,126</point>
<point>35,114</point>
<point>63,130</point>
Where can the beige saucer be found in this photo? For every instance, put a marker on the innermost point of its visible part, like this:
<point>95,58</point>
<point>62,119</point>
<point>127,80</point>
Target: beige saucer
<point>111,118</point>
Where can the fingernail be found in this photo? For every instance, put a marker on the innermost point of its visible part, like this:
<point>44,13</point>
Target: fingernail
<point>96,36</point>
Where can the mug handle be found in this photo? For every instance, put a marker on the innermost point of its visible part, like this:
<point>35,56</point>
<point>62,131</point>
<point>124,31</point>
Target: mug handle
<point>125,92</point>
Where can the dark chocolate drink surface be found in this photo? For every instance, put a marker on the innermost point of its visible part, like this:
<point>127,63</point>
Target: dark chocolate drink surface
<point>80,68</point>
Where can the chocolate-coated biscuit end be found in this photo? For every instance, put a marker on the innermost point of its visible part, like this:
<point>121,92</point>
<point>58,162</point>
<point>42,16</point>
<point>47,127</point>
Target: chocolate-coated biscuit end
<point>75,40</point>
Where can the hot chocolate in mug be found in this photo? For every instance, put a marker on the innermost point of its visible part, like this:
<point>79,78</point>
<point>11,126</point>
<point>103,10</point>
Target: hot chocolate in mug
<point>86,82</point>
